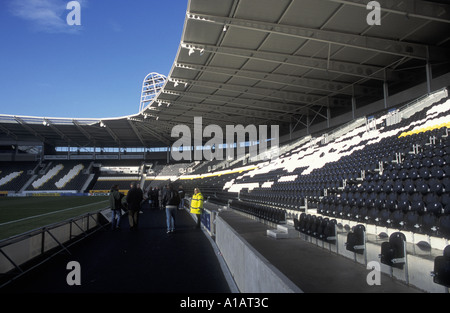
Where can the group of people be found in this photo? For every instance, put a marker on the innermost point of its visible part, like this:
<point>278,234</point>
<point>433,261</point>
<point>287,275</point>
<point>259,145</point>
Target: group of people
<point>171,199</point>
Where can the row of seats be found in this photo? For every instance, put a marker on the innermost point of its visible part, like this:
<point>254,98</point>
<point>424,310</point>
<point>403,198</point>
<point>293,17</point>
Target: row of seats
<point>424,223</point>
<point>398,185</point>
<point>265,212</point>
<point>393,253</point>
<point>316,226</point>
<point>428,202</point>
<point>288,201</point>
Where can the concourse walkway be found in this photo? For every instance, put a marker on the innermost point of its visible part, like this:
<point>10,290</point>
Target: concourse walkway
<point>144,261</point>
<point>151,261</point>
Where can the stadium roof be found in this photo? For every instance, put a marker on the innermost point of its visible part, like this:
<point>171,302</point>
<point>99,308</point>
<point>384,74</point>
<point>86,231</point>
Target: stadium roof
<point>267,62</point>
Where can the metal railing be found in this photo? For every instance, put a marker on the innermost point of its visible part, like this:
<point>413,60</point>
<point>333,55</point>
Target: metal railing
<point>22,253</point>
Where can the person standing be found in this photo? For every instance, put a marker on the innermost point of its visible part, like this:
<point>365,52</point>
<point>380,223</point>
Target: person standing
<point>155,198</point>
<point>134,200</point>
<point>181,193</point>
<point>171,202</point>
<point>115,205</point>
<point>197,205</point>
<point>160,197</point>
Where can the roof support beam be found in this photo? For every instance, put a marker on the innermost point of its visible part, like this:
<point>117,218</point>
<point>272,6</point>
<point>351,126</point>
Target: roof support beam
<point>136,132</point>
<point>426,10</point>
<point>84,132</point>
<point>155,134</point>
<point>9,133</point>
<point>212,112</point>
<point>339,67</point>
<point>284,80</point>
<point>110,132</point>
<point>280,95</point>
<point>31,130</point>
<point>260,105</point>
<point>379,45</point>
<point>56,130</point>
<point>230,112</point>
<point>247,103</point>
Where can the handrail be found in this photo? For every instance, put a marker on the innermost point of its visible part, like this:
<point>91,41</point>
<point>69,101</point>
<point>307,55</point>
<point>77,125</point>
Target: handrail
<point>38,230</point>
<point>47,245</point>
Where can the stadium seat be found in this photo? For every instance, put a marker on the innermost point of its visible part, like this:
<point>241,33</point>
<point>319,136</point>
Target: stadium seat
<point>397,219</point>
<point>412,221</point>
<point>385,218</point>
<point>356,239</point>
<point>417,203</point>
<point>433,204</point>
<point>311,226</point>
<point>320,228</point>
<point>436,186</point>
<point>373,216</point>
<point>438,161</point>
<point>444,226</point>
<point>393,252</point>
<point>403,202</point>
<point>429,225</point>
<point>408,186</point>
<point>441,272</point>
<point>304,222</point>
<point>422,186</point>
<point>329,231</point>
<point>445,200</point>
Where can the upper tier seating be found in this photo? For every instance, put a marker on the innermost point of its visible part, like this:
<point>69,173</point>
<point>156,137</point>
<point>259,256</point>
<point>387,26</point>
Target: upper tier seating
<point>394,175</point>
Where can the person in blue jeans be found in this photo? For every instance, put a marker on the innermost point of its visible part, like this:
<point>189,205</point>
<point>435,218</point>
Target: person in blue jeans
<point>171,201</point>
<point>115,205</point>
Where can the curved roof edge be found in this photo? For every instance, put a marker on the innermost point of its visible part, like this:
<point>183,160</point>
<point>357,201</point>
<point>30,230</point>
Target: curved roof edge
<point>291,63</point>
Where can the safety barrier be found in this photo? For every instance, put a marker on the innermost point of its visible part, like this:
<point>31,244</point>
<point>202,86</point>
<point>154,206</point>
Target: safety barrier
<point>22,253</point>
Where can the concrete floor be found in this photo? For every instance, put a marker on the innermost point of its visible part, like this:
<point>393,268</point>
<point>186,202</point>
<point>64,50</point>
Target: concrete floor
<point>145,261</point>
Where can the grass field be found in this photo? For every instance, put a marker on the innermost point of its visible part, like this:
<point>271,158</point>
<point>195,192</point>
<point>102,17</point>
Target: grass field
<point>19,215</point>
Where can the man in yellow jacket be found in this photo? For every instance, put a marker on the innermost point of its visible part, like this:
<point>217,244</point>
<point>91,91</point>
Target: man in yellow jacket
<point>197,205</point>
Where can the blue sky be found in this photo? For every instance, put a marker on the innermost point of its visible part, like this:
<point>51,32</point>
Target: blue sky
<point>95,70</point>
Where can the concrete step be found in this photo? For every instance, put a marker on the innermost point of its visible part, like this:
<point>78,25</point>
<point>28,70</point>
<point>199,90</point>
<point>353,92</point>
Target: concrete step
<point>274,233</point>
<point>283,231</point>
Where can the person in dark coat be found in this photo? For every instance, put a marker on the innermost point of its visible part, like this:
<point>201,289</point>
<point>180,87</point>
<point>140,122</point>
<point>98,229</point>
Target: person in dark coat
<point>115,204</point>
<point>171,202</point>
<point>134,200</point>
<point>182,194</point>
<point>155,199</point>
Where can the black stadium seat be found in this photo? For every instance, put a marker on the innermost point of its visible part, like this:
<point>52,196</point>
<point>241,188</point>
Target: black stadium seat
<point>328,233</point>
<point>441,273</point>
<point>412,221</point>
<point>356,239</point>
<point>393,252</point>
<point>429,224</point>
<point>444,226</point>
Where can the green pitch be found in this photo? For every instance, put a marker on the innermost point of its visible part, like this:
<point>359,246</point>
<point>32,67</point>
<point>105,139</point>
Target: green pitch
<point>19,215</point>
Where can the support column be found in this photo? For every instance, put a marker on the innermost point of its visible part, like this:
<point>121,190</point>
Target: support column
<point>307,123</point>
<point>386,94</point>
<point>328,117</point>
<point>429,76</point>
<point>290,131</point>
<point>353,107</point>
